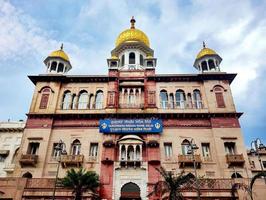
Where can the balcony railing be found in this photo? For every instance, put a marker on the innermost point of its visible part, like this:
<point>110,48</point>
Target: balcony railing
<point>235,160</point>
<point>131,105</point>
<point>28,159</point>
<point>72,160</point>
<point>187,160</point>
<point>182,105</point>
<point>130,163</point>
<point>9,167</point>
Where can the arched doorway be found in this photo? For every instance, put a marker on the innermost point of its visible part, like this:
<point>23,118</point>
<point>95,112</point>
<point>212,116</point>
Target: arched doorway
<point>130,191</point>
<point>27,175</point>
<point>236,175</point>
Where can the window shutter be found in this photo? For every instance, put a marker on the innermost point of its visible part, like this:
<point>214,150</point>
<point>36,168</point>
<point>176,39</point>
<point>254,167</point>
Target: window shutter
<point>220,100</point>
<point>44,101</point>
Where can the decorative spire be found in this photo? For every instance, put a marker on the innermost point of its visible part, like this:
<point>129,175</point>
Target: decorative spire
<point>204,45</point>
<point>132,21</point>
<point>62,46</point>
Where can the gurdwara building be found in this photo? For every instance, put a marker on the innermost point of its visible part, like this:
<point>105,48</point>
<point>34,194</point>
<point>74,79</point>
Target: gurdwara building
<point>127,123</point>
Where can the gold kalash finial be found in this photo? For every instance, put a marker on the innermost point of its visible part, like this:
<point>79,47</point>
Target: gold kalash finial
<point>132,21</point>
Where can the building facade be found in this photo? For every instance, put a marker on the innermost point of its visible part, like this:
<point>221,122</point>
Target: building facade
<point>127,123</point>
<point>10,137</point>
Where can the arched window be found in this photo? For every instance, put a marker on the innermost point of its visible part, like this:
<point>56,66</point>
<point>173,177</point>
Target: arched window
<point>197,99</point>
<point>236,175</point>
<point>204,66</point>
<point>75,147</point>
<point>131,97</point>
<point>149,64</point>
<point>164,99</point>
<point>218,90</point>
<point>141,59</point>
<point>185,147</point>
<point>137,152</point>
<point>123,60</point>
<point>132,58</point>
<point>211,64</point>
<point>45,98</point>
<point>180,99</point>
<point>27,175</point>
<point>99,100</point>
<point>53,67</point>
<point>83,100</point>
<point>66,100</point>
<point>130,153</point>
<point>60,68</point>
<point>131,190</point>
<point>123,152</point>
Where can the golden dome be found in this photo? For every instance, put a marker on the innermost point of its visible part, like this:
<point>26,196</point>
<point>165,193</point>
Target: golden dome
<point>60,53</point>
<point>205,51</point>
<point>132,35</point>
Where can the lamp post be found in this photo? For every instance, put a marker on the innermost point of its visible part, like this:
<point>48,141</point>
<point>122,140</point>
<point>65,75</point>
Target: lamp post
<point>256,151</point>
<point>60,148</point>
<point>194,147</point>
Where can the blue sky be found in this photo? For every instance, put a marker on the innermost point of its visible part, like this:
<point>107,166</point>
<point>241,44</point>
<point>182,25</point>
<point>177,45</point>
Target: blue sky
<point>31,29</point>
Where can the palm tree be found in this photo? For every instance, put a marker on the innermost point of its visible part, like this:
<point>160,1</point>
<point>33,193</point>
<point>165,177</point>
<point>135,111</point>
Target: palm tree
<point>81,181</point>
<point>171,184</point>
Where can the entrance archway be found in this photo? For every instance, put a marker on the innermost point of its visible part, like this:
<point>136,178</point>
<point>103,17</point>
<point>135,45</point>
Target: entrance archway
<point>130,191</point>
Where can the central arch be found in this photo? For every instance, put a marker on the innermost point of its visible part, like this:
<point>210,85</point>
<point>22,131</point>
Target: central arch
<point>130,191</point>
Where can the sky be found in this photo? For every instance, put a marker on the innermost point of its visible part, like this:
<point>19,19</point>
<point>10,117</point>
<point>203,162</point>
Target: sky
<point>236,30</point>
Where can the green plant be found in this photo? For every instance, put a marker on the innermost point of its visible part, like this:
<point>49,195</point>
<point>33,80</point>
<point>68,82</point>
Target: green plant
<point>81,181</point>
<point>171,184</point>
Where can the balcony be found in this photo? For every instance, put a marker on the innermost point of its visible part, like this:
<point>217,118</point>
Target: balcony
<point>9,167</point>
<point>187,161</point>
<point>72,160</point>
<point>140,106</point>
<point>130,163</point>
<point>235,160</point>
<point>28,159</point>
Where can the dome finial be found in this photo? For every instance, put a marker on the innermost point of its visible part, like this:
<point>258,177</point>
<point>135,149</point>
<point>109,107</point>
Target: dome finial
<point>203,44</point>
<point>62,46</point>
<point>132,21</point>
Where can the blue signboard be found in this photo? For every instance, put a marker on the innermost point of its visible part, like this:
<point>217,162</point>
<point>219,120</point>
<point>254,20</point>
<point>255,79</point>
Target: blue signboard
<point>131,126</point>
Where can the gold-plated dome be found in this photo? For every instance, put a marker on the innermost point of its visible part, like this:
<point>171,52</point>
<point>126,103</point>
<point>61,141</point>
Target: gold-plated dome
<point>60,53</point>
<point>132,35</point>
<point>205,51</point>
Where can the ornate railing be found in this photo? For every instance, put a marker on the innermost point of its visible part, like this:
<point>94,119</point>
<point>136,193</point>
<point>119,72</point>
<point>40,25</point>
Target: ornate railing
<point>184,160</point>
<point>70,160</point>
<point>28,159</point>
<point>237,159</point>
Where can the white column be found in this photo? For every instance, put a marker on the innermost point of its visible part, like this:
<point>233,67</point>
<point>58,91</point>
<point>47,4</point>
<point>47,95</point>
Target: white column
<point>208,65</point>
<point>123,98</point>
<point>126,146</point>
<point>134,152</point>
<point>140,102</point>
<point>140,153</point>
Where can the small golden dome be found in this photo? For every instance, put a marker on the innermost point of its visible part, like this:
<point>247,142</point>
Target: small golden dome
<point>205,51</point>
<point>132,35</point>
<point>60,53</point>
